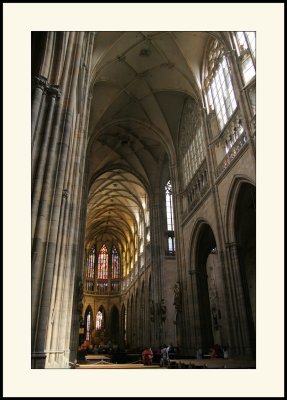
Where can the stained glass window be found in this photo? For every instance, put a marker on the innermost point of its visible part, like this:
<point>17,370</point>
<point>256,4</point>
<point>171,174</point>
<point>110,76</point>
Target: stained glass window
<point>88,327</point>
<point>90,271</point>
<point>115,263</point>
<point>103,263</point>
<point>91,265</point>
<point>99,320</point>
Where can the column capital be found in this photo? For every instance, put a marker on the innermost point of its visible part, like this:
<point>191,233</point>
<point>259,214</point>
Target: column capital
<point>39,82</point>
<point>53,91</point>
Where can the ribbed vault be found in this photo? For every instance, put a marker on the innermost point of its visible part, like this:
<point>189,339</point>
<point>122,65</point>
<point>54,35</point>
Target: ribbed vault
<point>117,202</point>
<point>138,86</point>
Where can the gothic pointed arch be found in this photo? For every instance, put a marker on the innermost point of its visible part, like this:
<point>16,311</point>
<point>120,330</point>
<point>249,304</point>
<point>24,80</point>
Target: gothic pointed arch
<point>124,324</point>
<point>206,273</point>
<point>242,243</point>
<point>100,325</point>
<point>114,324</point>
<point>230,209</point>
<point>89,324</point>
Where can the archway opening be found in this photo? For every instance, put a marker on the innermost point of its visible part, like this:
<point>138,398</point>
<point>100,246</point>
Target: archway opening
<point>114,325</point>
<point>205,260</point>
<point>100,327</point>
<point>245,234</point>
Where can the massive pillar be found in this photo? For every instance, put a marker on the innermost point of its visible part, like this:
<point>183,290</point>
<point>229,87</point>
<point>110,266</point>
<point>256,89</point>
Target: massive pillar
<point>59,145</point>
<point>181,302</point>
<point>156,269</point>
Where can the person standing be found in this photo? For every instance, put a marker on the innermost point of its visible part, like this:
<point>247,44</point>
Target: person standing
<point>164,356</point>
<point>147,356</point>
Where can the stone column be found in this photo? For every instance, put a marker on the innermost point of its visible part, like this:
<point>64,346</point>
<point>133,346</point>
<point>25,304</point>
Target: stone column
<point>195,329</point>
<point>46,230</point>
<point>156,265</point>
<point>129,323</point>
<point>40,81</point>
<point>40,152</point>
<point>182,312</point>
<point>67,255</point>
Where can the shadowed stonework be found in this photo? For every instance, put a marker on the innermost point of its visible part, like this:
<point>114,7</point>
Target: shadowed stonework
<point>143,199</point>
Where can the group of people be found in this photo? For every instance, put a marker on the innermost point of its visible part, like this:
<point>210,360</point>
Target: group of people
<point>215,352</point>
<point>219,352</point>
<point>164,352</point>
<point>88,348</point>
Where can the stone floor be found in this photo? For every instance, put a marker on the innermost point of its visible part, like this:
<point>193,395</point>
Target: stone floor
<point>214,363</point>
<point>184,363</point>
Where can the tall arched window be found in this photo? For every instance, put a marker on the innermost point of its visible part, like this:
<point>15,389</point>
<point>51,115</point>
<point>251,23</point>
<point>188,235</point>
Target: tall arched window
<point>90,272</point>
<point>88,327</point>
<point>169,219</point>
<point>103,263</point>
<point>220,93</point>
<point>245,47</point>
<point>99,320</point>
<point>191,140</point>
<point>115,281</point>
<point>115,263</point>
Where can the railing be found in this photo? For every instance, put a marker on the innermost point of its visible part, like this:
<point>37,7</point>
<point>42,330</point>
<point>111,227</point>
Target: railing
<point>232,154</point>
<point>90,286</point>
<point>198,186</point>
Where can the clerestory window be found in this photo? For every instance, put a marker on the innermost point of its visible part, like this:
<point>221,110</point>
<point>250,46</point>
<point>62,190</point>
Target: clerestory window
<point>103,260</point>
<point>169,219</point>
<point>245,47</point>
<point>191,141</point>
<point>90,271</point>
<point>218,85</point>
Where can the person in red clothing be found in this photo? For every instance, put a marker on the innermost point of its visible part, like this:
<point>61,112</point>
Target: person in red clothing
<point>216,352</point>
<point>147,356</point>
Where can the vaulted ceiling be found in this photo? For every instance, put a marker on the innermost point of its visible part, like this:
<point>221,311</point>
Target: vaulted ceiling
<point>139,83</point>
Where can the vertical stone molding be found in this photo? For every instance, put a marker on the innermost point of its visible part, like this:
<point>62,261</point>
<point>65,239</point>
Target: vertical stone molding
<point>238,317</point>
<point>39,86</point>
<point>49,213</point>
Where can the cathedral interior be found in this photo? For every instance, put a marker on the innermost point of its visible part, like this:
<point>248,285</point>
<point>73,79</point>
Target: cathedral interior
<point>143,193</point>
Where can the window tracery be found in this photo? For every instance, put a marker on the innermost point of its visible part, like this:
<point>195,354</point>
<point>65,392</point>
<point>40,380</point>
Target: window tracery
<point>245,47</point>
<point>218,85</point>
<point>169,219</point>
<point>115,263</point>
<point>192,147</point>
<point>90,272</point>
<point>103,259</point>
